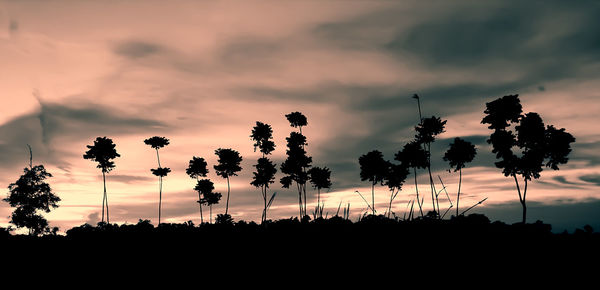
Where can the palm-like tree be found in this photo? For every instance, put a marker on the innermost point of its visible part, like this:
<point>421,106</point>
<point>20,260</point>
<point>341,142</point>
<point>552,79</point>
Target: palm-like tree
<point>198,168</point>
<point>103,152</point>
<point>460,153</point>
<point>157,143</point>
<point>229,165</point>
<point>262,135</point>
<point>414,156</point>
<point>374,169</point>
<point>320,178</point>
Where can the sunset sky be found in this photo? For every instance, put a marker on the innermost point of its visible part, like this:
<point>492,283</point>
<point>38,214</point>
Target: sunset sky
<point>201,73</point>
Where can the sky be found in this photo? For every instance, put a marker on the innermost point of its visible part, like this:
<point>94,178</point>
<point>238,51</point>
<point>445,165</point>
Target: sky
<point>201,73</point>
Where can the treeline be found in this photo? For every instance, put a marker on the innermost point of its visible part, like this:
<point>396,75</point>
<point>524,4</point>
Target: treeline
<point>523,146</point>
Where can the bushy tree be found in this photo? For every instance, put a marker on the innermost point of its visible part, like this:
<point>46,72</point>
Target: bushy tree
<point>206,196</point>
<point>460,153</point>
<point>103,152</point>
<point>427,131</point>
<point>394,179</point>
<point>29,195</point>
<point>529,148</point>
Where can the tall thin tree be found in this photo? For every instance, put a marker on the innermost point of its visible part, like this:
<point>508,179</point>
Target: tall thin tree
<point>414,156</point>
<point>460,153</point>
<point>395,178</point>
<point>374,169</point>
<point>198,168</point>
<point>320,178</point>
<point>262,135</point>
<point>427,130</point>
<point>103,152</point>
<point>158,143</point>
<point>229,165</point>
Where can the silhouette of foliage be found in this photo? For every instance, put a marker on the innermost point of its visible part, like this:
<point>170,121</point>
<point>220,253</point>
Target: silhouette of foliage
<point>295,167</point>
<point>459,153</point>
<point>297,120</point>
<point>157,142</point>
<point>197,167</point>
<point>374,169</point>
<point>262,134</point>
<point>538,144</point>
<point>427,130</point>
<point>320,178</point>
<point>394,180</point>
<point>103,152</point>
<point>206,196</point>
<point>229,165</point>
<point>161,171</point>
<point>30,194</point>
<point>414,156</point>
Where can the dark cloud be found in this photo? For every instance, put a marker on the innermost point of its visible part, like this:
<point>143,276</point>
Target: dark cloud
<point>127,178</point>
<point>136,49</point>
<point>69,122</point>
<point>591,178</point>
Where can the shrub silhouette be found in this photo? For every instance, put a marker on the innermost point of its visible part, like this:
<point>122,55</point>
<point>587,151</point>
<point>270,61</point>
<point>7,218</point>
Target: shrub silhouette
<point>30,194</point>
<point>158,143</point>
<point>103,152</point>
<point>297,120</point>
<point>374,169</point>
<point>265,169</point>
<point>229,165</point>
<point>320,178</point>
<point>460,153</point>
<point>197,168</point>
<point>539,145</point>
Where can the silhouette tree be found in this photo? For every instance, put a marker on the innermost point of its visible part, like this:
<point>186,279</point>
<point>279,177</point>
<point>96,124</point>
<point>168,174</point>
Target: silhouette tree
<point>427,130</point>
<point>538,145</point>
<point>157,143</point>
<point>229,165</point>
<point>320,178</point>
<point>295,167</point>
<point>460,153</point>
<point>30,194</point>
<point>414,156</point>
<point>394,179</point>
<point>198,168</point>
<point>265,169</point>
<point>374,169</point>
<point>206,196</point>
<point>103,152</point>
<point>297,120</point>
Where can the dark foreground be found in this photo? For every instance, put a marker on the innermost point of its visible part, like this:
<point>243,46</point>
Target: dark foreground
<point>289,243</point>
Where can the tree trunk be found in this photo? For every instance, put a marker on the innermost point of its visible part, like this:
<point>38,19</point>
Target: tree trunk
<point>159,198</point>
<point>228,190</point>
<point>459,184</point>
<point>373,197</point>
<point>417,190</point>
<point>200,205</point>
